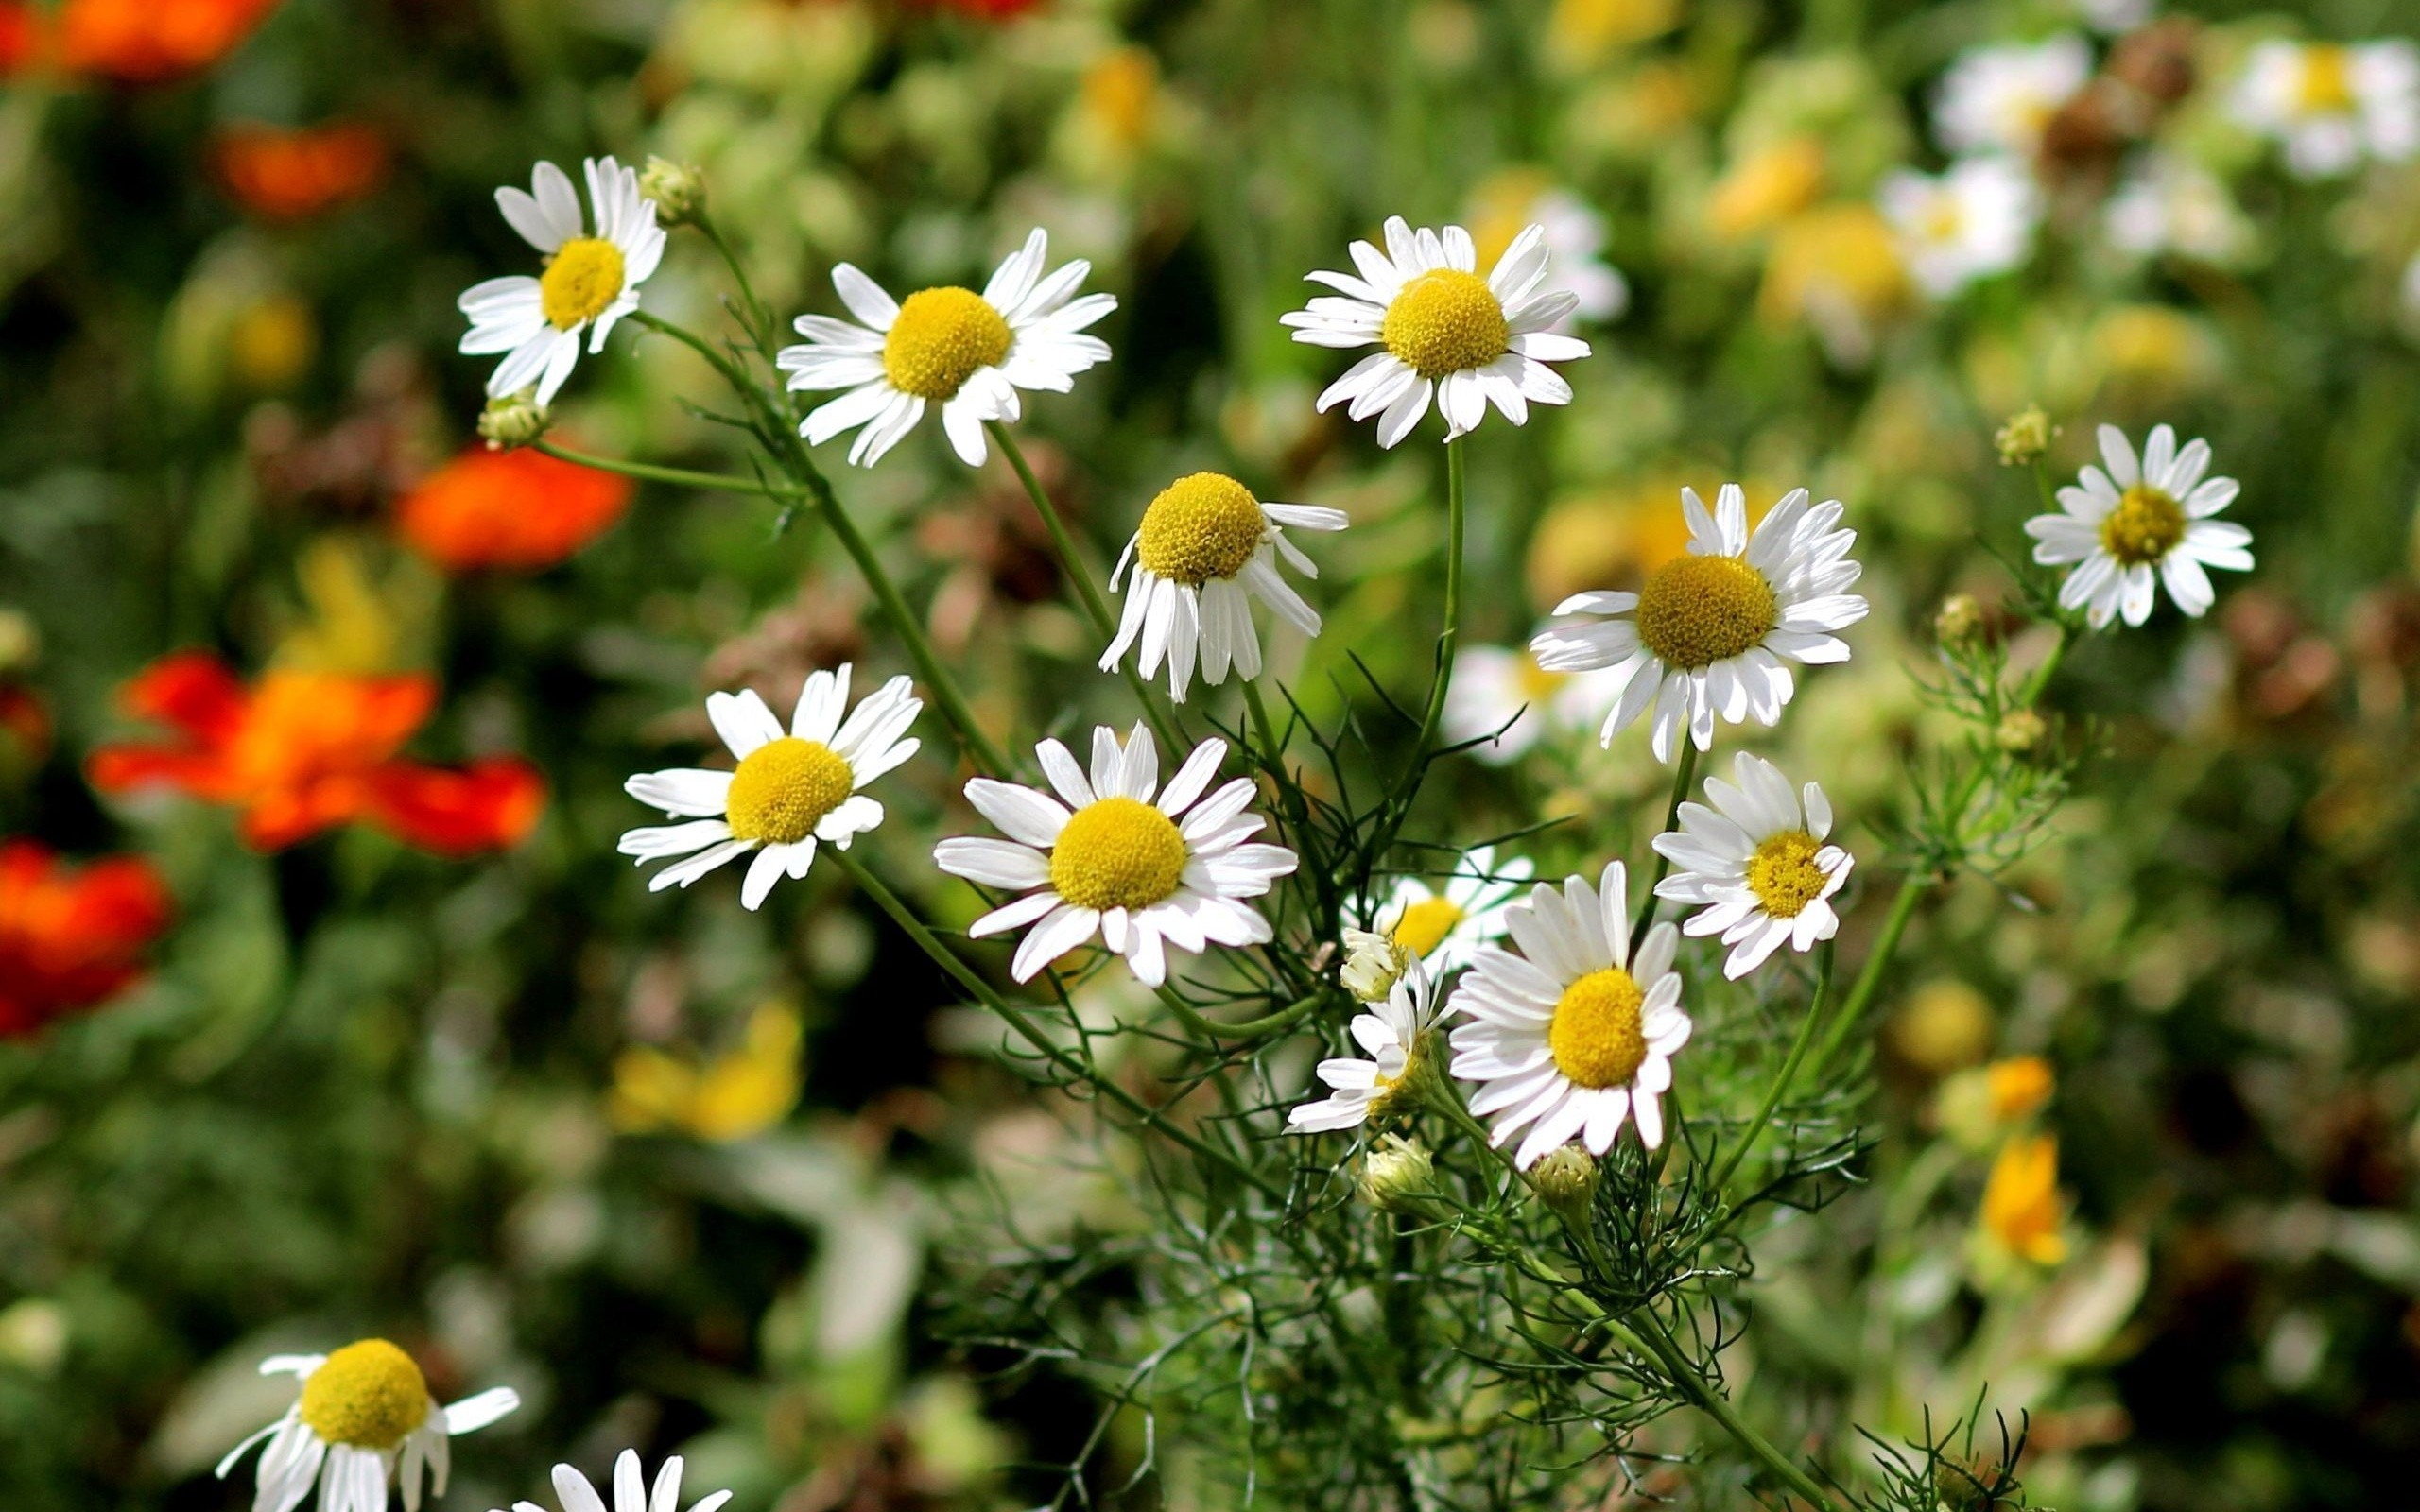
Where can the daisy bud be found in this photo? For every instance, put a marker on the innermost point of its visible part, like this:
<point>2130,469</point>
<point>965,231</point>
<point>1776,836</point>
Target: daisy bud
<point>678,190</point>
<point>2025,437</point>
<point>1564,1179</point>
<point>1397,1175</point>
<point>514,420</point>
<point>1960,622</point>
<point>1372,964</point>
<point>2020,730</point>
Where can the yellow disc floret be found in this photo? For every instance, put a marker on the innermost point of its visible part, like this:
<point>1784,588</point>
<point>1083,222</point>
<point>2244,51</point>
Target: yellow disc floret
<point>1425,925</point>
<point>1598,1036</point>
<point>2146,525</point>
<point>581,281</point>
<point>2326,87</point>
<point>367,1395</point>
<point>1694,611</point>
<point>1202,526</point>
<point>785,788</point>
<point>941,338</point>
<point>1445,322</point>
<point>1118,852</point>
<point>1783,873</point>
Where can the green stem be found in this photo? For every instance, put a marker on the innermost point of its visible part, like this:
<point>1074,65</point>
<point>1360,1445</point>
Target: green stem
<point>1646,1330</point>
<point>759,317</point>
<point>1682,776</point>
<point>1448,638</point>
<point>1782,1078</point>
<point>723,482</point>
<point>2039,680</point>
<point>1903,908</point>
<point>732,372</point>
<point>1285,1017</point>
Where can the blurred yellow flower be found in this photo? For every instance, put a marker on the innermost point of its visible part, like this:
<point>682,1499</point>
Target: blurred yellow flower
<point>1945,1026</point>
<point>272,342</point>
<point>2021,1208</point>
<point>2153,348</point>
<point>1765,188</point>
<point>1583,31</point>
<point>1120,96</point>
<point>1837,269</point>
<point>2019,1087</point>
<point>734,1096</point>
<point>352,621</point>
<point>1608,538</point>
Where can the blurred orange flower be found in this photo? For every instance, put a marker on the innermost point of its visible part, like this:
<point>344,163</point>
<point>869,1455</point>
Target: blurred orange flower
<point>2021,1206</point>
<point>139,42</point>
<point>300,752</point>
<point>291,175</point>
<point>70,937</point>
<point>519,510</point>
<point>2019,1087</point>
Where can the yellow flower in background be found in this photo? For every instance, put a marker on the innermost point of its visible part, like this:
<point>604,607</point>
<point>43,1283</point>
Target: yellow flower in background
<point>2021,1208</point>
<point>1613,536</point>
<point>1765,188</point>
<point>1120,95</point>
<point>1946,1026</point>
<point>1979,1107</point>
<point>352,621</point>
<point>272,342</point>
<point>2154,349</point>
<point>1583,31</point>
<point>2019,1087</point>
<point>734,1096</point>
<point>1837,270</point>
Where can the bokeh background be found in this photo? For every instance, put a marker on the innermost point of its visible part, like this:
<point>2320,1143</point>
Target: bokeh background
<point>423,1058</point>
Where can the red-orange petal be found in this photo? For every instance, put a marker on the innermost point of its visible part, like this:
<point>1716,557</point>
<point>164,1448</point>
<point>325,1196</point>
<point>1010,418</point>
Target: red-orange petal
<point>456,811</point>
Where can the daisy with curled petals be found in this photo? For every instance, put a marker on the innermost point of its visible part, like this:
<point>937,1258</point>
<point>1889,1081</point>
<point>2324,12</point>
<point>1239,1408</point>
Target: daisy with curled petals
<point>791,790</point>
<point>2141,517</point>
<point>1707,633</point>
<point>1757,862</point>
<point>1443,928</point>
<point>1205,549</point>
<point>1447,333</point>
<point>1106,857</point>
<point>966,352</point>
<point>364,1415</point>
<point>591,279</point>
<point>1361,1090</point>
<point>1575,1035</point>
<point>631,1492</point>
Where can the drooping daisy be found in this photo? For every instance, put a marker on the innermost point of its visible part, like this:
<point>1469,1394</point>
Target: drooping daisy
<point>791,790</point>
<point>1707,633</point>
<point>1998,98</point>
<point>1204,550</point>
<point>966,352</point>
<point>1364,1090</point>
<point>631,1493</point>
<point>2169,204</point>
<point>1447,334</point>
<point>1503,699</point>
<point>1973,221</point>
<point>2331,105</point>
<point>1443,928</point>
<point>591,280</point>
<point>1105,857</point>
<point>2121,524</point>
<point>364,1415</point>
<point>1575,1035</point>
<point>1757,863</point>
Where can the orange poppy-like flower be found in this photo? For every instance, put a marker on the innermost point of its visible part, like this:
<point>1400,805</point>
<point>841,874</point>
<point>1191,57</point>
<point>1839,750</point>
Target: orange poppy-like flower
<point>518,511</point>
<point>70,937</point>
<point>292,175</point>
<point>2021,1207</point>
<point>137,41</point>
<point>20,37</point>
<point>300,752</point>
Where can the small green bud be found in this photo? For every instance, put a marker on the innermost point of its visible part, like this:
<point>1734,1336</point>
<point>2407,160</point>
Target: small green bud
<point>2025,437</point>
<point>514,420</point>
<point>1960,621</point>
<point>1565,1180</point>
<point>2021,731</point>
<point>1965,1488</point>
<point>1397,1175</point>
<point>678,190</point>
<point>1372,965</point>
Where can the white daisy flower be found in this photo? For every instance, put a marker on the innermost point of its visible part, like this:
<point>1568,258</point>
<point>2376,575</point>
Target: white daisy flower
<point>631,1493</point>
<point>966,352</point>
<point>1105,857</point>
<point>791,790</point>
<point>2169,204</point>
<point>2122,524</point>
<point>1998,98</point>
<point>1970,223</point>
<point>592,280</point>
<point>2332,104</point>
<point>1448,334</point>
<point>1362,1090</point>
<point>364,1415</point>
<point>1707,633</point>
<point>1443,928</point>
<point>1757,863</point>
<point>1204,550</point>
<point>1503,699</point>
<point>1575,1035</point>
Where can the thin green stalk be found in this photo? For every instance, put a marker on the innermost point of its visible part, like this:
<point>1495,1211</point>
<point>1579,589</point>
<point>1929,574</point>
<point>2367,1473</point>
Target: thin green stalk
<point>2039,680</point>
<point>1448,638</point>
<point>732,372</point>
<point>1682,776</point>
<point>759,318</point>
<point>1646,1330</point>
<point>723,482</point>
<point>1782,1078</point>
<point>1903,908</point>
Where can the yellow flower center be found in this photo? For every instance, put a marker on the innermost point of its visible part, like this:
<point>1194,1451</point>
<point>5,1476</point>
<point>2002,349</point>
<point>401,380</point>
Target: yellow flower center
<point>1425,925</point>
<point>1694,610</point>
<point>584,276</point>
<point>1445,322</point>
<point>367,1395</point>
<point>1598,1036</point>
<point>1202,526</point>
<point>1117,852</point>
<point>942,338</point>
<point>1943,218</point>
<point>1783,873</point>
<point>2327,84</point>
<point>785,788</point>
<point>2146,525</point>
<point>1534,683</point>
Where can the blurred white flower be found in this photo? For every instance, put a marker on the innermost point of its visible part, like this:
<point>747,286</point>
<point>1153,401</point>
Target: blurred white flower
<point>1512,202</point>
<point>1502,698</point>
<point>2332,104</point>
<point>1757,863</point>
<point>1974,220</point>
<point>591,280</point>
<point>1998,98</point>
<point>364,1415</point>
<point>2170,205</point>
<point>2118,527</point>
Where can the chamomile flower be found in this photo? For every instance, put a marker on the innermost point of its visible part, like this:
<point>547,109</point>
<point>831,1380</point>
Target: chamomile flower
<point>364,1415</point>
<point>591,280</point>
<point>1364,1090</point>
<point>2167,204</point>
<point>1574,1036</point>
<point>1707,633</point>
<point>790,791</point>
<point>1998,98</point>
<point>1106,857</point>
<point>1447,333</point>
<point>2120,526</point>
<point>1973,221</point>
<point>966,352</point>
<point>1503,699</point>
<point>631,1492</point>
<point>2332,104</point>
<point>1758,863</point>
<point>1204,550</point>
<point>1442,928</point>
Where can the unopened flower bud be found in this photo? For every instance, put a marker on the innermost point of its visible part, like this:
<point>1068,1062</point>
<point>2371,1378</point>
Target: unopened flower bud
<point>2020,730</point>
<point>1564,1179</point>
<point>516,420</point>
<point>1397,1175</point>
<point>1960,622</point>
<point>2025,437</point>
<point>1966,1487</point>
<point>678,190</point>
<point>1372,965</point>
